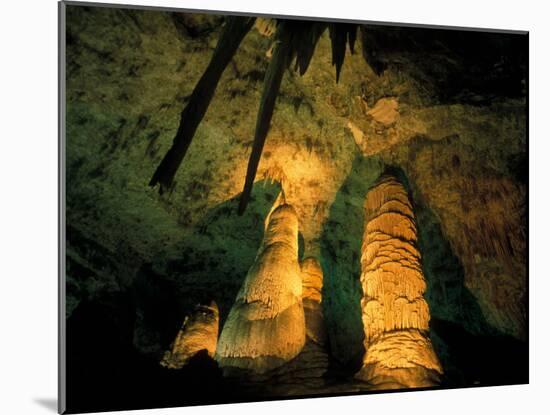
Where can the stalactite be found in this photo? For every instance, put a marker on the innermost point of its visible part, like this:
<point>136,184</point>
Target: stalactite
<point>306,36</point>
<point>395,315</point>
<point>340,35</point>
<point>266,326</point>
<point>198,332</point>
<point>230,38</point>
<point>272,82</point>
<point>293,40</point>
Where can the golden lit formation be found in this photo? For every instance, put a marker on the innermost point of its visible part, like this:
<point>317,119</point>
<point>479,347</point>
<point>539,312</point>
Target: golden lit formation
<point>277,317</point>
<point>198,332</point>
<point>265,327</point>
<point>312,284</point>
<point>396,317</point>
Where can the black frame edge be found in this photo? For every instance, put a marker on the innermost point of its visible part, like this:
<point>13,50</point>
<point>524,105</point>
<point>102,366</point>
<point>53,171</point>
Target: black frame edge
<point>61,105</point>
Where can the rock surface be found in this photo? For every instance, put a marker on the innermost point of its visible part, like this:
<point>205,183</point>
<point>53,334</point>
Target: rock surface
<point>312,285</point>
<point>385,111</point>
<point>399,353</point>
<point>266,327</point>
<point>304,374</point>
<point>199,332</point>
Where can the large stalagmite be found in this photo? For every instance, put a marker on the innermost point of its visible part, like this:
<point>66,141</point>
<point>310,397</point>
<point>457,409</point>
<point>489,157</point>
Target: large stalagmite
<point>198,332</point>
<point>304,374</point>
<point>266,326</point>
<point>395,315</point>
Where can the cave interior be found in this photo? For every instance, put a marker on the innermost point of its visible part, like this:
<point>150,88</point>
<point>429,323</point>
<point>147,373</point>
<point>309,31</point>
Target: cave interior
<point>261,208</point>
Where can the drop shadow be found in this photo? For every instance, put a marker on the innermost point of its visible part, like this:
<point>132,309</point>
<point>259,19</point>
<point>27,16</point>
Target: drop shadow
<point>48,403</point>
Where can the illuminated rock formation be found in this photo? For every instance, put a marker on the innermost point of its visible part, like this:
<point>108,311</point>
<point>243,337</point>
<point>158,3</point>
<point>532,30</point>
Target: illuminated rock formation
<point>395,315</point>
<point>385,111</point>
<point>266,326</point>
<point>308,368</point>
<point>312,284</point>
<point>304,373</point>
<point>198,332</point>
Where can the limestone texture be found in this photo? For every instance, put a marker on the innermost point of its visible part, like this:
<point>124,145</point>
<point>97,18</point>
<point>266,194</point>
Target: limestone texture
<point>312,285</point>
<point>304,374</point>
<point>398,351</point>
<point>198,332</point>
<point>266,327</point>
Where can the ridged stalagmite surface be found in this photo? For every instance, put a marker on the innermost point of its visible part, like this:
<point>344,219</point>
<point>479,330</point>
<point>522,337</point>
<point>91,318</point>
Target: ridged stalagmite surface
<point>198,332</point>
<point>304,373</point>
<point>266,327</point>
<point>395,315</point>
<point>312,284</point>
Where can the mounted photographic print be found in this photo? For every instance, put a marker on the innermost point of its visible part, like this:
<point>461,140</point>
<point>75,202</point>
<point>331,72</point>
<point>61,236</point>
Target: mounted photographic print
<point>274,207</point>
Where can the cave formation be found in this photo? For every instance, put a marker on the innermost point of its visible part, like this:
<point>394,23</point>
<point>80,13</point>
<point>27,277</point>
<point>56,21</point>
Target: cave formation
<point>312,286</point>
<point>199,332</point>
<point>293,40</point>
<point>345,222</point>
<point>266,326</point>
<point>398,351</point>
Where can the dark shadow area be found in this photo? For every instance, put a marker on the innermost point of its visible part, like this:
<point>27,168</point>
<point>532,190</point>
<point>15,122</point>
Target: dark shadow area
<point>479,359</point>
<point>462,66</point>
<point>341,239</point>
<point>301,246</point>
<point>106,372</point>
<point>115,341</point>
<point>210,265</point>
<point>471,351</point>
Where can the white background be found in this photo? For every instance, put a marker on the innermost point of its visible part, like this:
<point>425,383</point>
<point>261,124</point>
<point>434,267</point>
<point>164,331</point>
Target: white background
<point>28,205</point>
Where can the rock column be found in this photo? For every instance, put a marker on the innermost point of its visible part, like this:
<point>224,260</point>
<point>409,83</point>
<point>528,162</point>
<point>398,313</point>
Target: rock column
<point>395,315</point>
<point>266,326</point>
